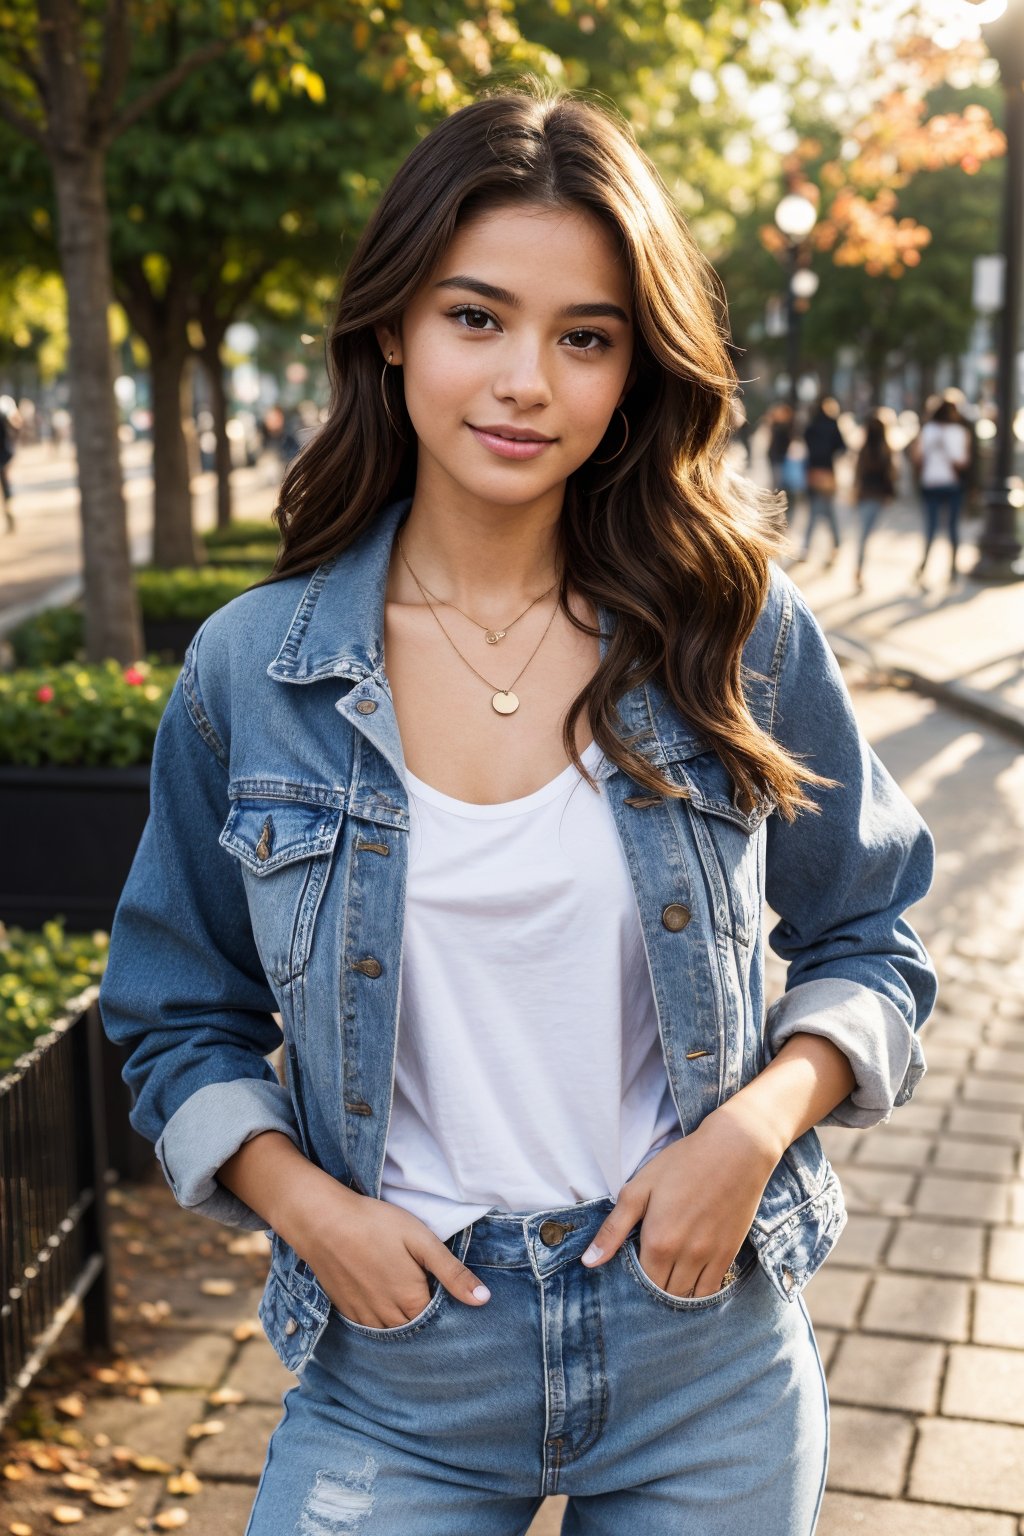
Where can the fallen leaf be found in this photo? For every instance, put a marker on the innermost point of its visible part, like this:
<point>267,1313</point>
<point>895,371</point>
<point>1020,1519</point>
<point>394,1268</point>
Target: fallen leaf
<point>150,1464</point>
<point>149,1397</point>
<point>136,1373</point>
<point>67,1514</point>
<point>171,1519</point>
<point>207,1427</point>
<point>73,1406</point>
<point>110,1498</point>
<point>106,1374</point>
<point>17,1471</point>
<point>81,1482</point>
<point>184,1482</point>
<point>102,1439</point>
<point>218,1287</point>
<point>46,1460</point>
<point>257,1243</point>
<point>226,1395</point>
<point>243,1331</point>
<point>19,1528</point>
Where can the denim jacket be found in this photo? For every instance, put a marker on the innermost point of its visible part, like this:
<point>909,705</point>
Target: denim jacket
<point>269,885</point>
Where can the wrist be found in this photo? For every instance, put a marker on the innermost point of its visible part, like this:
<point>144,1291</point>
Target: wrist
<point>745,1112</point>
<point>300,1216</point>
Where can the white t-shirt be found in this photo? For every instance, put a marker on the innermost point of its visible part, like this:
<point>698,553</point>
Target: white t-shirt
<point>943,443</point>
<point>529,1071</point>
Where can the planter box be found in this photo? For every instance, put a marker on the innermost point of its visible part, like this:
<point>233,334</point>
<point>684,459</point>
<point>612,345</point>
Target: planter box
<point>53,1228</point>
<point>68,837</point>
<point>169,637</point>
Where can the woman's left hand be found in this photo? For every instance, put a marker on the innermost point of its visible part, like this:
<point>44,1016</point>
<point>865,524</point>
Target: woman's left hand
<point>696,1199</point>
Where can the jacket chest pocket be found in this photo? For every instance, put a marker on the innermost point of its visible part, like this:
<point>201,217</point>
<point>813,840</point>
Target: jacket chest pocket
<point>285,846</point>
<point>730,844</point>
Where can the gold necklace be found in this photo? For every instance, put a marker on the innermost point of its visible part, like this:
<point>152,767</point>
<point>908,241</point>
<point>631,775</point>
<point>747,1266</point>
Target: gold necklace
<point>503,700</point>
<point>492,636</point>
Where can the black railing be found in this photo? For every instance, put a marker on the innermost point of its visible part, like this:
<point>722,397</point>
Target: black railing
<point>53,1228</point>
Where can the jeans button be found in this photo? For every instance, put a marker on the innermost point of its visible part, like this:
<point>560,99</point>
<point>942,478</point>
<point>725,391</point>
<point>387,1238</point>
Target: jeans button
<point>552,1232</point>
<point>291,1326</point>
<point>675,917</point>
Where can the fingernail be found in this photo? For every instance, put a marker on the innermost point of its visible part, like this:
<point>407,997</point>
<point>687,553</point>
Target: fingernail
<point>481,1293</point>
<point>592,1254</point>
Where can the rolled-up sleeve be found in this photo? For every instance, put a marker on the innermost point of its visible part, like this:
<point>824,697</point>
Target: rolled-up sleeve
<point>184,991</point>
<point>840,882</point>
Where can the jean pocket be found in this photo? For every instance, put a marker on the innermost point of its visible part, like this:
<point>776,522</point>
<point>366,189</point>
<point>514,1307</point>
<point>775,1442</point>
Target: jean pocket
<point>401,1330</point>
<point>743,1268</point>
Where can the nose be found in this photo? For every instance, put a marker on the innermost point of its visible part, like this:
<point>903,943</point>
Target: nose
<point>521,378</point>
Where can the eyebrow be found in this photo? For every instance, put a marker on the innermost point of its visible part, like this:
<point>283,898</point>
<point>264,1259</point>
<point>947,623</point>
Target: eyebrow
<point>512,301</point>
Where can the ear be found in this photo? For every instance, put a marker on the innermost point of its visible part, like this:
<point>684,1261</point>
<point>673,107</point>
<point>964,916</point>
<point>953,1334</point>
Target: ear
<point>389,341</point>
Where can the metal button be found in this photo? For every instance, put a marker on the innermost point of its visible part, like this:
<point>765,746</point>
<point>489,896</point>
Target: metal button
<point>369,966</point>
<point>366,706</point>
<point>291,1326</point>
<point>552,1232</point>
<point>675,917</point>
<point>787,1279</point>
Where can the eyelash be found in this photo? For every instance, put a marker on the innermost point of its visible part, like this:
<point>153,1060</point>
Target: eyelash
<point>603,341</point>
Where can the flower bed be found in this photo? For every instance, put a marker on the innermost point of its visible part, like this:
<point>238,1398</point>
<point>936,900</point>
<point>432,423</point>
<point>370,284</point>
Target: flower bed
<point>102,714</point>
<point>41,973</point>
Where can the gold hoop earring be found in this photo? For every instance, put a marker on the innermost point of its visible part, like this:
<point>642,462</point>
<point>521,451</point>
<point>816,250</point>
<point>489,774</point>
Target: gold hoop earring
<point>384,397</point>
<point>625,440</point>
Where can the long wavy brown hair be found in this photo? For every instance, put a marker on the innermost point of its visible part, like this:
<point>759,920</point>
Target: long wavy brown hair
<point>668,538</point>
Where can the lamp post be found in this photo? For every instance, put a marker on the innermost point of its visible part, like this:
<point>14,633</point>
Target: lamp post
<point>999,548</point>
<point>795,216</point>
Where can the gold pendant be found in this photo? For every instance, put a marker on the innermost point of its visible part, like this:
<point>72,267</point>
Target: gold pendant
<point>505,701</point>
<point>494,635</point>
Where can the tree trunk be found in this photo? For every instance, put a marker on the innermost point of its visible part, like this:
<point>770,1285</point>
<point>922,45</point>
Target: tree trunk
<point>174,541</point>
<point>112,623</point>
<point>210,356</point>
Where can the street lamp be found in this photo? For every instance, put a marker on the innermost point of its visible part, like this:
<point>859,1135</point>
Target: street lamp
<point>795,216</point>
<point>999,548</point>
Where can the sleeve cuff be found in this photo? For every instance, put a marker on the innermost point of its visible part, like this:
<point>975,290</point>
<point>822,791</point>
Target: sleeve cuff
<point>882,1049</point>
<point>209,1128</point>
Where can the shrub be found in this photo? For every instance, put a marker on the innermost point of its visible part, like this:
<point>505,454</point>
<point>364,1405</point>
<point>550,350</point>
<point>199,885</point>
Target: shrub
<point>190,592</point>
<point>92,716</point>
<point>238,554</point>
<point>40,974</point>
<point>249,530</point>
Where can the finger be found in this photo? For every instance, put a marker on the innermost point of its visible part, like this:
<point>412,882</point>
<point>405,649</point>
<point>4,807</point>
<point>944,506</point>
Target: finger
<point>457,1280</point>
<point>614,1230</point>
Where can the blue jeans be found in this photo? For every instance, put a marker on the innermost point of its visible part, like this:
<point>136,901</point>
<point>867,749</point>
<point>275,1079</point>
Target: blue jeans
<point>652,1412</point>
<point>934,498</point>
<point>869,509</point>
<point>822,507</point>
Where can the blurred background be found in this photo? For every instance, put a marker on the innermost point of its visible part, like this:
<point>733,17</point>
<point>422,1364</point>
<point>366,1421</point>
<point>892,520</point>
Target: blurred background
<point>184,182</point>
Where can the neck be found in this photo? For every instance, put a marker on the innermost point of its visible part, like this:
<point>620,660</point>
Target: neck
<point>479,555</point>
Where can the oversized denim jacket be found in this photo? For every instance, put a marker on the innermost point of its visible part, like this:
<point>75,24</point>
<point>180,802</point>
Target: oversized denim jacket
<point>271,876</point>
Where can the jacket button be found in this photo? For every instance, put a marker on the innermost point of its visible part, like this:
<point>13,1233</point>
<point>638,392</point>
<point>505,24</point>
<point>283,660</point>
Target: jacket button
<point>552,1232</point>
<point>366,706</point>
<point>369,966</point>
<point>291,1326</point>
<point>675,917</point>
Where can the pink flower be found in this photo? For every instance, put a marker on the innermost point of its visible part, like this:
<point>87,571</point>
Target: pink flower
<point>44,694</point>
<point>133,675</point>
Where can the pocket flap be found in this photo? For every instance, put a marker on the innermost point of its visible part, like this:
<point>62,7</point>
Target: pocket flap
<point>711,791</point>
<point>267,833</point>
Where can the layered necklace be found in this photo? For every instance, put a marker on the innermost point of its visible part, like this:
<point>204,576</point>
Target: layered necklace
<point>503,700</point>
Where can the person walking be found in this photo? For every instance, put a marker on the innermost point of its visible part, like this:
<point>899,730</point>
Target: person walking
<point>941,453</point>
<point>874,485</point>
<point>10,423</point>
<point>780,435</point>
<point>825,442</point>
<point>482,793</point>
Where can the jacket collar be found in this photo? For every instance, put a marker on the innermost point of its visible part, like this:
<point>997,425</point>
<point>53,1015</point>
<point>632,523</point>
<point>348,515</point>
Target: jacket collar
<point>338,631</point>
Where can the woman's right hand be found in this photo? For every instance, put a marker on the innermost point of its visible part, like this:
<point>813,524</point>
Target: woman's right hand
<point>372,1257</point>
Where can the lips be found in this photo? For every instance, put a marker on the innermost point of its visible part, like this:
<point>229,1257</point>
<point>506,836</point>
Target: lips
<point>511,442</point>
<point>513,434</point>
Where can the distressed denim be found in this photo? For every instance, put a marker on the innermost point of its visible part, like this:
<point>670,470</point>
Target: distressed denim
<point>266,903</point>
<point>653,1413</point>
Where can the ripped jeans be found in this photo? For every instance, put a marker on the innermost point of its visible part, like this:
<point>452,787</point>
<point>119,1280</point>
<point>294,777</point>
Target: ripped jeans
<point>651,1412</point>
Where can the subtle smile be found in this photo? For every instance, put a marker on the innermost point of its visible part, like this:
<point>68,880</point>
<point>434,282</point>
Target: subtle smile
<point>511,442</point>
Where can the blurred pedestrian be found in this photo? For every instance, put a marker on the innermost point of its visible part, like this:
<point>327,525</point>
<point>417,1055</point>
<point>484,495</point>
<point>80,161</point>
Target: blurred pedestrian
<point>825,442</point>
<point>873,485</point>
<point>10,425</point>
<point>941,453</point>
<point>780,432</point>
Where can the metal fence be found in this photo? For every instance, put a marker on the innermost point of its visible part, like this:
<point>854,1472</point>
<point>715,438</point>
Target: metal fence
<point>53,1226</point>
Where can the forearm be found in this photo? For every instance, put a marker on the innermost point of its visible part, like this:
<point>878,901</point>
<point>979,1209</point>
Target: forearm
<point>273,1176</point>
<point>802,1084</point>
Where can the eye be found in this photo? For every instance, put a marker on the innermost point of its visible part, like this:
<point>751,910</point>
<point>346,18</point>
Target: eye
<point>475,318</point>
<point>587,341</point>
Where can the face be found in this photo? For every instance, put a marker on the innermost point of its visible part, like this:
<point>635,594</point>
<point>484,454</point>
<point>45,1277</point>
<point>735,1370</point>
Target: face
<point>515,353</point>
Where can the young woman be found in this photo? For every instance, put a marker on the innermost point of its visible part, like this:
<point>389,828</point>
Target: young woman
<point>481,795</point>
<point>874,484</point>
<point>942,454</point>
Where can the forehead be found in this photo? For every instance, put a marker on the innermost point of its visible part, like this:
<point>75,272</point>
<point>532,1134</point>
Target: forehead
<point>556,255</point>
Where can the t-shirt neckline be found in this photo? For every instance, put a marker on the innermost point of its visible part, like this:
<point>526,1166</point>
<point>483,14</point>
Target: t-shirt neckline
<point>591,757</point>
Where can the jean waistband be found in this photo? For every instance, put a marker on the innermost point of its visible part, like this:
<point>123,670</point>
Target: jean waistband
<point>540,1240</point>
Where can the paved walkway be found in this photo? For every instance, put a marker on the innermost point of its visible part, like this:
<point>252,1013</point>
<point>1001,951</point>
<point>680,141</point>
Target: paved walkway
<point>920,1311</point>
